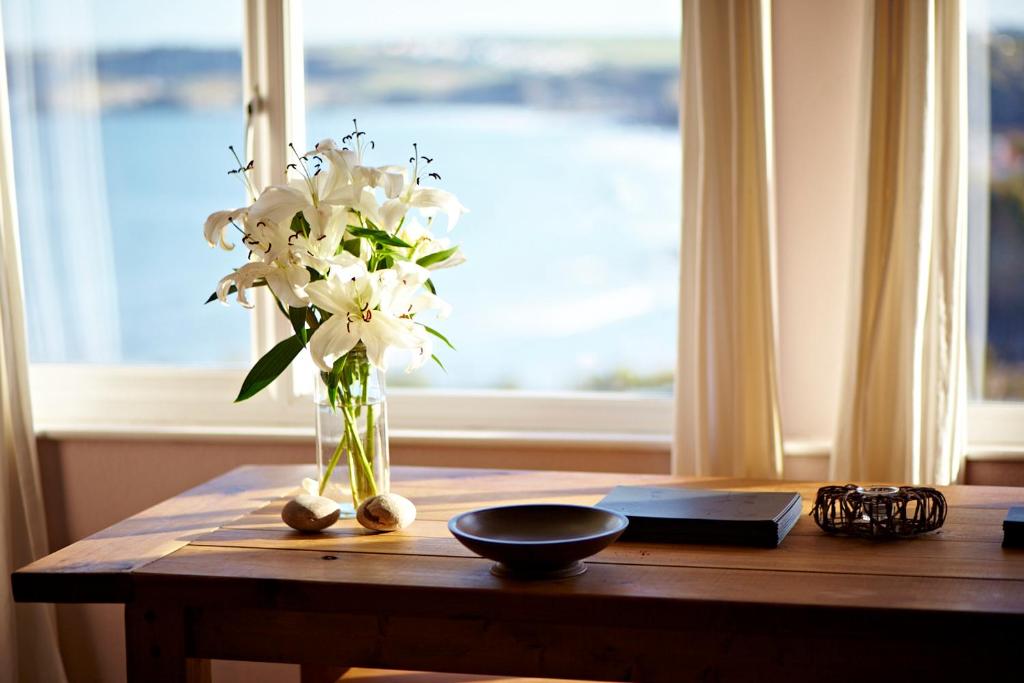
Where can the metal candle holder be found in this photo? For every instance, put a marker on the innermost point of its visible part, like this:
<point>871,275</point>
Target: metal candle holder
<point>879,511</point>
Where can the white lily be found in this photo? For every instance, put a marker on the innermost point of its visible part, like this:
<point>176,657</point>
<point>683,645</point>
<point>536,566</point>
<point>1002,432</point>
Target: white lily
<point>217,224</point>
<point>402,294</point>
<point>348,168</point>
<point>272,237</point>
<point>425,244</point>
<point>355,316</point>
<point>286,281</point>
<point>430,200</point>
<point>387,216</point>
<point>279,203</point>
<point>306,263</point>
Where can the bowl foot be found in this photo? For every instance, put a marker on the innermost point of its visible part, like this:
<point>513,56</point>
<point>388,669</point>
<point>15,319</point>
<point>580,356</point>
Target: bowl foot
<point>527,574</point>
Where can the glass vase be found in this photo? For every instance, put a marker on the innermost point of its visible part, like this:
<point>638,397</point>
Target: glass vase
<point>352,456</point>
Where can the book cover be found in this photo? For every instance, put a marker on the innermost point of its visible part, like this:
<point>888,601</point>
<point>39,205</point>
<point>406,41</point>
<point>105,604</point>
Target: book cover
<point>681,515</point>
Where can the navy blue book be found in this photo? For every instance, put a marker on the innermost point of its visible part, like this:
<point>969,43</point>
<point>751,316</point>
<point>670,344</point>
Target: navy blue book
<point>1013,528</point>
<point>681,515</point>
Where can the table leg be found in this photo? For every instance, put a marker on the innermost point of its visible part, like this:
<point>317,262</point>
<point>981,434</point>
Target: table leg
<point>321,673</point>
<point>155,646</point>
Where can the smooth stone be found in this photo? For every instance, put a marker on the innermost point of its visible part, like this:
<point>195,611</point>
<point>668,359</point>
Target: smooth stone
<point>306,512</point>
<point>386,512</point>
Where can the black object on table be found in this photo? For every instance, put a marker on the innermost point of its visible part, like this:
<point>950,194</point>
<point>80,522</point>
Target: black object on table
<point>1013,528</point>
<point>682,515</point>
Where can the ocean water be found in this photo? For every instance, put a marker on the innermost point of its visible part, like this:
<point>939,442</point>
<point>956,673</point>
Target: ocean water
<point>572,239</point>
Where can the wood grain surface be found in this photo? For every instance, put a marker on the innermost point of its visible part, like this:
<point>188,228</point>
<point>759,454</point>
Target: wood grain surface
<point>235,582</point>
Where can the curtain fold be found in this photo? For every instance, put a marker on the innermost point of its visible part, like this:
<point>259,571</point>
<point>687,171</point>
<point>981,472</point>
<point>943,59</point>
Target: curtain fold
<point>727,410</point>
<point>28,632</point>
<point>904,409</point>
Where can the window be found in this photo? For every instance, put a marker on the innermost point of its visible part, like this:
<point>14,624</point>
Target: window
<point>996,202</point>
<point>557,125</point>
<point>995,290</point>
<point>120,128</point>
<point>143,112</point>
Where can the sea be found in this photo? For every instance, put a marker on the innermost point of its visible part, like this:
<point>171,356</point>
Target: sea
<point>572,239</point>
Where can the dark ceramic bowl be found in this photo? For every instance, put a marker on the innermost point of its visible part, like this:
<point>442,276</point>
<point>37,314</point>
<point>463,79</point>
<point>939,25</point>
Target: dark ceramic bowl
<point>538,541</point>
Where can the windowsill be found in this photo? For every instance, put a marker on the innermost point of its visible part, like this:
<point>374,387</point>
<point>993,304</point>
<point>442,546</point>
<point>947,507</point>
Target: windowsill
<point>654,443</point>
<point>794,448</point>
<point>463,438</point>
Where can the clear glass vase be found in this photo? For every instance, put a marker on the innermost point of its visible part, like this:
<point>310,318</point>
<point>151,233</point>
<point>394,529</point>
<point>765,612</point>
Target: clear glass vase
<point>352,456</point>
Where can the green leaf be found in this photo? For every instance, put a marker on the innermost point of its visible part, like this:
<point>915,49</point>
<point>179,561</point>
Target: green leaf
<point>429,284</point>
<point>439,363</point>
<point>334,379</point>
<point>300,226</point>
<point>351,246</point>
<point>297,317</point>
<point>440,336</point>
<point>269,367</point>
<point>378,236</point>
<point>436,257</point>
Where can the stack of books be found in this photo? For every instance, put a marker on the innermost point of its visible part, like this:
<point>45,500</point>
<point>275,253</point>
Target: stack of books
<point>681,515</point>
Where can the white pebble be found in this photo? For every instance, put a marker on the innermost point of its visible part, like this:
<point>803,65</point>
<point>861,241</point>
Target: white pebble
<point>386,512</point>
<point>306,512</point>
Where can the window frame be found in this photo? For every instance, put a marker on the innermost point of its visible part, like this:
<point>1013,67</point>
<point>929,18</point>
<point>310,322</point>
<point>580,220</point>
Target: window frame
<point>993,427</point>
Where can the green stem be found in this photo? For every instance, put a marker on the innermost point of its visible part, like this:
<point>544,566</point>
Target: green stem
<point>353,480</point>
<point>371,440</point>
<point>364,465</point>
<point>333,463</point>
<point>360,456</point>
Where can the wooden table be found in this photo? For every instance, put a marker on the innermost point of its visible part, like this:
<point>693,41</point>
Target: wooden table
<point>214,574</point>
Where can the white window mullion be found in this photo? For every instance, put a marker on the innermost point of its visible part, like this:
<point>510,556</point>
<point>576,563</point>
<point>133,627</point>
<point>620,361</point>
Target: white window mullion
<point>273,82</point>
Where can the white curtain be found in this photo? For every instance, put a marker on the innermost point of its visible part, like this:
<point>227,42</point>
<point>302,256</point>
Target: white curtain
<point>727,411</point>
<point>905,400</point>
<point>28,633</point>
<point>53,94</point>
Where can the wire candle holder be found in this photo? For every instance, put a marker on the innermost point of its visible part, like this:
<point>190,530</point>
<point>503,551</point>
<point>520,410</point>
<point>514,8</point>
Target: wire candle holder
<point>879,511</point>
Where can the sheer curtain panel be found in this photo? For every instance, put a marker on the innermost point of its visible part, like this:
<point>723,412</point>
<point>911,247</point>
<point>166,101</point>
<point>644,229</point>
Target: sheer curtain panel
<point>28,633</point>
<point>903,415</point>
<point>727,410</point>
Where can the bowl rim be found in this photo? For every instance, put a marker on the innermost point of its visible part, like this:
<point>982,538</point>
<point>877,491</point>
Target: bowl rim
<point>622,519</point>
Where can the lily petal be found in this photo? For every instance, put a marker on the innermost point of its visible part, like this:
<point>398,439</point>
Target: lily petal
<point>242,279</point>
<point>383,331</point>
<point>426,301</point>
<point>217,224</point>
<point>287,284</point>
<point>328,295</point>
<point>391,214</point>
<point>332,340</point>
<point>277,204</point>
<point>433,198</point>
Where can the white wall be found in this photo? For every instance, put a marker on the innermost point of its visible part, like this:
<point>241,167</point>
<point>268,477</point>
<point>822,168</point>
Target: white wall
<point>818,71</point>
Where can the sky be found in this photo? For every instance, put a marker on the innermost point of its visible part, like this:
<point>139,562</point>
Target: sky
<point>112,24</point>
<point>1001,13</point>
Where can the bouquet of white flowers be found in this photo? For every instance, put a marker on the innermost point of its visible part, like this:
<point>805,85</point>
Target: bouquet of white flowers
<point>347,251</point>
